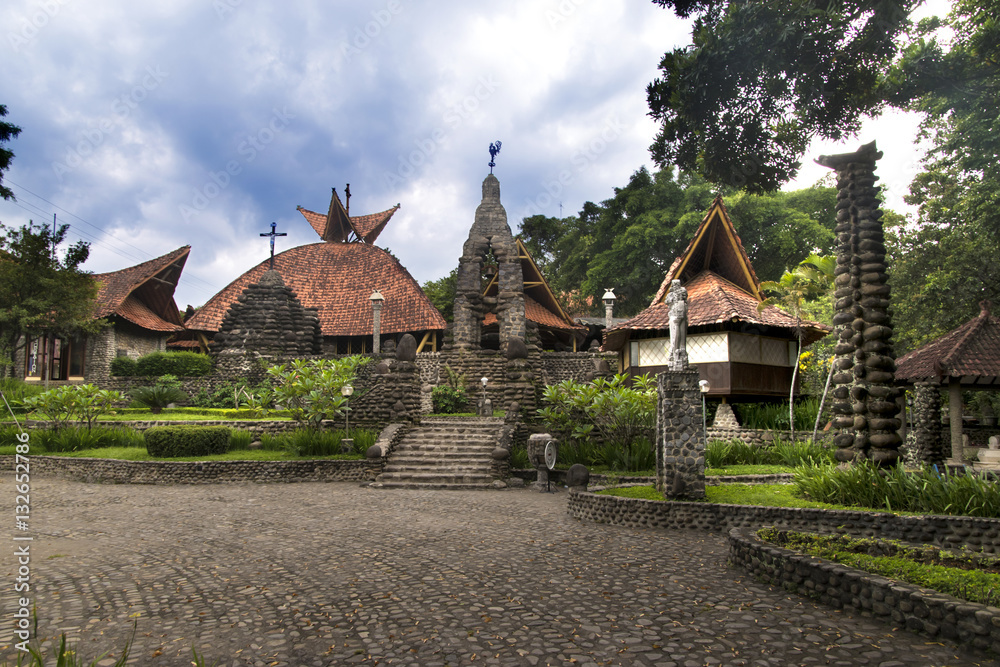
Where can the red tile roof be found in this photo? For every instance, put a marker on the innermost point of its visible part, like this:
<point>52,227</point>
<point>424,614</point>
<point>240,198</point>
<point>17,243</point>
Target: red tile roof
<point>972,350</point>
<point>714,300</point>
<point>337,279</point>
<point>144,294</point>
<point>367,227</point>
<point>538,314</point>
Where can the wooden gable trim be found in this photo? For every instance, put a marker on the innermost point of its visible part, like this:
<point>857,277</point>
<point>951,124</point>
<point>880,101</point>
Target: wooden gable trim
<point>540,281</point>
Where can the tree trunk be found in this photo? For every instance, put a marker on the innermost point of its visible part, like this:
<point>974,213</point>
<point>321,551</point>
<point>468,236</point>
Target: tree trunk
<point>791,392</point>
<point>822,401</point>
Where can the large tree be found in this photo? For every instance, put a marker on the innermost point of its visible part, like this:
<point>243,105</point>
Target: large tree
<point>761,79</point>
<point>41,292</point>
<point>7,132</point>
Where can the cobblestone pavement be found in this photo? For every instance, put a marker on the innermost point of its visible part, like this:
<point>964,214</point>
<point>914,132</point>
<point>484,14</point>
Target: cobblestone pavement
<point>333,574</point>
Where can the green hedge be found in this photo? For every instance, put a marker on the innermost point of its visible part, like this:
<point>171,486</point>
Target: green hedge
<point>123,367</point>
<point>181,364</point>
<point>168,441</point>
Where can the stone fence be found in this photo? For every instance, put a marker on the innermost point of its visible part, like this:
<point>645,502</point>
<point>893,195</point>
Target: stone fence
<point>943,531</point>
<point>904,605</point>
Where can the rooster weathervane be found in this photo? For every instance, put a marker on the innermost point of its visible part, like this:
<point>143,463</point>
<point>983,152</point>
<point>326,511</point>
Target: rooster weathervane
<point>494,151</point>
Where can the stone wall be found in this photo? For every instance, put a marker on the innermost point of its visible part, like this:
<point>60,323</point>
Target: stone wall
<point>948,532</point>
<point>558,366</point>
<point>108,471</point>
<point>904,605</point>
<point>680,440</point>
<point>761,437</point>
<point>120,339</point>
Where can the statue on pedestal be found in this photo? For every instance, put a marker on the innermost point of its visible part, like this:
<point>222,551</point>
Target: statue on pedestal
<point>678,312</point>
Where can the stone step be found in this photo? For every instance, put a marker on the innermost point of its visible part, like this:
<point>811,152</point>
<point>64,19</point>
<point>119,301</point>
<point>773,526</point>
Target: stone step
<point>439,446</point>
<point>451,458</point>
<point>424,478</point>
<point>437,486</point>
<point>438,466</point>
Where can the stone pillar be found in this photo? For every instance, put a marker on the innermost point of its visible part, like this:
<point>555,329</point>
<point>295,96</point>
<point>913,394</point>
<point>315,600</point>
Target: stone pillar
<point>927,423</point>
<point>864,393</point>
<point>725,417</point>
<point>376,322</point>
<point>955,417</point>
<point>680,441</point>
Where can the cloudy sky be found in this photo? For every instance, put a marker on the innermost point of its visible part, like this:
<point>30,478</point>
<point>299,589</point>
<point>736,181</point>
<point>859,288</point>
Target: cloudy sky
<point>148,126</point>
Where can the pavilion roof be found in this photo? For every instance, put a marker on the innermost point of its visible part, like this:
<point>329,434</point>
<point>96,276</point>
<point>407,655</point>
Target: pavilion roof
<point>970,352</point>
<point>338,227</point>
<point>144,294</point>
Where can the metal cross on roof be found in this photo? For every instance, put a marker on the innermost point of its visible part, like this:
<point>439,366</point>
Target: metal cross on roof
<point>272,234</point>
<point>494,151</point>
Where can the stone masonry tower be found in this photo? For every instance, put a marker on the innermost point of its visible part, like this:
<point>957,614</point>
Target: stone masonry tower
<point>490,233</point>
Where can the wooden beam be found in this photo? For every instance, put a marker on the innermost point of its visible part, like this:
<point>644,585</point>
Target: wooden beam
<point>423,341</point>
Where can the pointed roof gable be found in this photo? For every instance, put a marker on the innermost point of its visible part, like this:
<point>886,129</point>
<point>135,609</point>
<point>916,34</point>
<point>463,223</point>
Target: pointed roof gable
<point>338,227</point>
<point>540,303</point>
<point>970,351</point>
<point>715,247</point>
<point>144,294</point>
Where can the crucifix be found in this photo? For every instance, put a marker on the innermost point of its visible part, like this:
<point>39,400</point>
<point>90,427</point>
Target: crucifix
<point>272,234</point>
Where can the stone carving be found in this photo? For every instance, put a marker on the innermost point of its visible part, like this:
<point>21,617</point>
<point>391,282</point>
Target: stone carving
<point>864,367</point>
<point>490,233</point>
<point>516,349</point>
<point>407,348</point>
<point>678,312</point>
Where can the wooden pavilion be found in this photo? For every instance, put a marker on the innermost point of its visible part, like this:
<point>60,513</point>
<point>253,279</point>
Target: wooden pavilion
<point>744,353</point>
<point>966,358</point>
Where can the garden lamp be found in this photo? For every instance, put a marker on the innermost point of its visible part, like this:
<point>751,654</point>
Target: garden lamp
<point>704,386</point>
<point>346,392</point>
<point>609,299</point>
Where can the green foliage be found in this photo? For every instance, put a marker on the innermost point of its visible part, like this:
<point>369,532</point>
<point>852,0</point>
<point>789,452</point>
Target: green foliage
<point>224,395</point>
<point>172,441</point>
<point>441,293</point>
<point>181,364</point>
<point>240,440</point>
<point>84,402</point>
<point>8,131</point>
<point>76,439</point>
<point>123,367</point>
<point>447,400</point>
<point>721,454</point>
<point>305,442</point>
<point>618,412</point>
<point>39,291</point>
<point>157,397</point>
<point>641,492</point>
<point>310,390</point>
<point>774,416</point>
<point>519,457</point>
<point>15,390</point>
<point>761,79</point>
<point>927,566</point>
<point>895,489</point>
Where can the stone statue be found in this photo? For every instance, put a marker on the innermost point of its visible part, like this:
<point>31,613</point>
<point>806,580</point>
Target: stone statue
<point>678,313</point>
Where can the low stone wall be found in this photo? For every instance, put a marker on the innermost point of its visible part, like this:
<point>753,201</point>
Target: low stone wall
<point>759,436</point>
<point>918,609</point>
<point>255,427</point>
<point>109,471</point>
<point>948,532</point>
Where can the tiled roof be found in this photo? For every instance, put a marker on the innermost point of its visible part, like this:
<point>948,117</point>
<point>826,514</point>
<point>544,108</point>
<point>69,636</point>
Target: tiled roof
<point>144,293</point>
<point>971,350</point>
<point>539,314</point>
<point>337,279</point>
<point>368,227</point>
<point>714,300</point>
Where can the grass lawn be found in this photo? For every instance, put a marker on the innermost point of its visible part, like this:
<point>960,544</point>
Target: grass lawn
<point>140,454</point>
<point>768,495</point>
<point>729,471</point>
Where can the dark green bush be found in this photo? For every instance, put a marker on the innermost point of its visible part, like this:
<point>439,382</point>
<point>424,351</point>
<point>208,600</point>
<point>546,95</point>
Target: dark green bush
<point>169,441</point>
<point>448,400</point>
<point>76,438</point>
<point>157,397</point>
<point>123,367</point>
<point>181,364</point>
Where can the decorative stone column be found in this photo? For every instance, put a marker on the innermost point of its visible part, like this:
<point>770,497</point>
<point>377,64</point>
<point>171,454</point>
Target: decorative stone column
<point>927,423</point>
<point>864,367</point>
<point>680,442</point>
<point>377,300</point>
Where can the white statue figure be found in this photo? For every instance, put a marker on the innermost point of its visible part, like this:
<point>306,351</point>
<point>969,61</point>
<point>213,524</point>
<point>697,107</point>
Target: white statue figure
<point>678,313</point>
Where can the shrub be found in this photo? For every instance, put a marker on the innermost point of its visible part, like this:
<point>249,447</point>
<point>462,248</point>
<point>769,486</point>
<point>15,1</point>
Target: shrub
<point>240,439</point>
<point>620,413</point>
<point>123,367</point>
<point>171,441</point>
<point>83,402</point>
<point>771,416</point>
<point>74,439</point>
<point>519,457</point>
<point>310,390</point>
<point>183,364</point>
<point>157,397</point>
<point>448,400</point>
<point>15,391</point>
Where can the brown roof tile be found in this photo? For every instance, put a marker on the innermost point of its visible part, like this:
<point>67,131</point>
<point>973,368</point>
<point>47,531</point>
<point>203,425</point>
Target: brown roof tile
<point>714,300</point>
<point>337,279</point>
<point>971,350</point>
<point>368,227</point>
<point>144,293</point>
<point>538,314</point>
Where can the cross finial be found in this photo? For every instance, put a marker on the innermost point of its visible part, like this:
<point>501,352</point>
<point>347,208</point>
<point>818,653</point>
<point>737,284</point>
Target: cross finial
<point>272,234</point>
<point>494,151</point>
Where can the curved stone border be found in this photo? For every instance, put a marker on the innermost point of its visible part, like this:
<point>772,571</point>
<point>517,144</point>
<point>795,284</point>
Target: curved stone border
<point>948,532</point>
<point>920,610</point>
<point>114,471</point>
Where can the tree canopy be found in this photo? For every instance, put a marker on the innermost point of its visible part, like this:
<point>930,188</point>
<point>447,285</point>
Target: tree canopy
<point>41,292</point>
<point>761,79</point>
<point>8,131</point>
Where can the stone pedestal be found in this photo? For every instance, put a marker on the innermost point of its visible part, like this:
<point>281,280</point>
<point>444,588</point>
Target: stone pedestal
<point>725,418</point>
<point>536,454</point>
<point>680,440</point>
<point>990,457</point>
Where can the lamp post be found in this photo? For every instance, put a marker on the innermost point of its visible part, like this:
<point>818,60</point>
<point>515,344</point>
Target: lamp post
<point>704,386</point>
<point>346,392</point>
<point>377,300</point>
<point>485,406</point>
<point>609,299</point>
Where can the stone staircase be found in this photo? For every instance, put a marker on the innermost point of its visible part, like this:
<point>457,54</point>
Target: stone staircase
<point>444,453</point>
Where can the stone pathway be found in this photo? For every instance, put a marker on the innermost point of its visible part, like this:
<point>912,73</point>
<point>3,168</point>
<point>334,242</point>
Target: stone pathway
<point>333,574</point>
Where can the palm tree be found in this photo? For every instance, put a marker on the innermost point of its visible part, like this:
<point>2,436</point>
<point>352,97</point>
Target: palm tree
<point>813,277</point>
